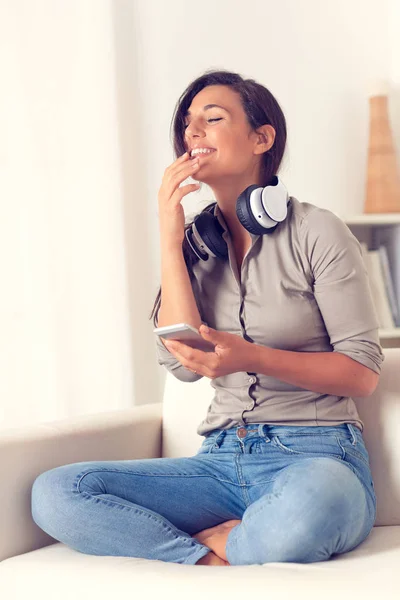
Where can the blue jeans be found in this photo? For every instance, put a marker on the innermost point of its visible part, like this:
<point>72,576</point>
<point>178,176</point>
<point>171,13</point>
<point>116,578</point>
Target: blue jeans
<point>303,494</point>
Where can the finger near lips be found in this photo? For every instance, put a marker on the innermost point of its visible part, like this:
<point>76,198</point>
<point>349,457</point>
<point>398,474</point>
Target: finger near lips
<point>189,167</point>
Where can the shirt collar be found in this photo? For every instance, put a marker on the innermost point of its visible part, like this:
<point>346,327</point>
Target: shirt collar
<point>218,214</point>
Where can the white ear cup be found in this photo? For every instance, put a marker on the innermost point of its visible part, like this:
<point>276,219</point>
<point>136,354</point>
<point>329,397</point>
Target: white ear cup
<point>267,206</point>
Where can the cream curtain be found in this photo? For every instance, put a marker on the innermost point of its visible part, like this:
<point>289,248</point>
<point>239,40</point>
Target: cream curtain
<point>75,296</point>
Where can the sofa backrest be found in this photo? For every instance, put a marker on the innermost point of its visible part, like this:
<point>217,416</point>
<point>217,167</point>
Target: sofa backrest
<point>380,413</point>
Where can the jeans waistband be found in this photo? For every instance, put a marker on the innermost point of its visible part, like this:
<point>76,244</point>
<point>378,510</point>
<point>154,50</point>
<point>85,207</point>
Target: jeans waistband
<point>264,430</point>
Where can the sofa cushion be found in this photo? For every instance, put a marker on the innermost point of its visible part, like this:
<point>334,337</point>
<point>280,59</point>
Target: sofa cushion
<point>58,571</point>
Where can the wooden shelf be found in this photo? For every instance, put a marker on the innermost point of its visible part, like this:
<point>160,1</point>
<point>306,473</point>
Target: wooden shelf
<point>372,219</point>
<point>366,227</point>
<point>387,334</point>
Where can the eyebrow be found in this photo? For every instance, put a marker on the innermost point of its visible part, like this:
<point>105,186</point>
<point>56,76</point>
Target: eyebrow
<point>206,107</point>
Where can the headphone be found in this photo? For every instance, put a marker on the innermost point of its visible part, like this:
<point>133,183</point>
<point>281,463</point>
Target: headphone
<point>259,209</point>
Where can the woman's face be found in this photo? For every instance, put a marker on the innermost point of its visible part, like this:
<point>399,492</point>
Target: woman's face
<point>237,149</point>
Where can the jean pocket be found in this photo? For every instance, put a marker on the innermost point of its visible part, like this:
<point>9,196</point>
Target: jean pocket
<point>358,451</point>
<point>309,444</point>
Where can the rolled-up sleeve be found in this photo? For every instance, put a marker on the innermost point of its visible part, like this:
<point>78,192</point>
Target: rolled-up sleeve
<point>341,288</point>
<point>172,364</point>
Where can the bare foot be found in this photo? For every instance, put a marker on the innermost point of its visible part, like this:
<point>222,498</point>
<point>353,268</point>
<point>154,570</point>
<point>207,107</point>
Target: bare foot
<point>212,560</point>
<point>216,537</point>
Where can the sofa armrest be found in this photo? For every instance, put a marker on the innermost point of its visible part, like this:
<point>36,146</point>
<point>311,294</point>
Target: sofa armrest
<point>27,452</point>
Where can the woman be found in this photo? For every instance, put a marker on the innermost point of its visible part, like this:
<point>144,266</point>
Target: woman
<point>283,473</point>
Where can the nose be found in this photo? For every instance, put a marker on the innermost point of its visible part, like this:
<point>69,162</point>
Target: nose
<point>192,127</point>
<point>192,135</point>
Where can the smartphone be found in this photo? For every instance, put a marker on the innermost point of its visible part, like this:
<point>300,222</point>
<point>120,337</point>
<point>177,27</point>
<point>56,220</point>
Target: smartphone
<point>185,333</point>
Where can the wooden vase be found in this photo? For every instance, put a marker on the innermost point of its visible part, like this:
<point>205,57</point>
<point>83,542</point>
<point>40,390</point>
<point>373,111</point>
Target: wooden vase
<point>383,179</point>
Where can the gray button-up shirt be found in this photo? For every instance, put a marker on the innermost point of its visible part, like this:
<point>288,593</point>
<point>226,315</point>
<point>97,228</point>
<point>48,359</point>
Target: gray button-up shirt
<point>302,288</point>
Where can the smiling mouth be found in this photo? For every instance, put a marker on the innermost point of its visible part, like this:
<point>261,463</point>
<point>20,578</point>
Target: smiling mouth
<point>202,155</point>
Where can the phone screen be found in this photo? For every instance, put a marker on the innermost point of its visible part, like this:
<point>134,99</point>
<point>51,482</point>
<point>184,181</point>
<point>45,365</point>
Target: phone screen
<point>182,332</point>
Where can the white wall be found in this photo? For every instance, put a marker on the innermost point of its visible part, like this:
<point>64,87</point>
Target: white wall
<point>65,324</point>
<point>318,58</point>
<point>88,89</point>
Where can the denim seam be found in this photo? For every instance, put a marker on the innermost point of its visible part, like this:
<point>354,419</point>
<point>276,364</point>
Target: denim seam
<point>146,513</point>
<point>366,490</point>
<point>150,473</point>
<point>307,433</point>
<point>243,485</point>
<point>278,444</point>
<point>354,453</point>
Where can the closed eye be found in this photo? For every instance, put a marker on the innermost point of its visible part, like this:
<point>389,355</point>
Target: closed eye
<point>208,121</point>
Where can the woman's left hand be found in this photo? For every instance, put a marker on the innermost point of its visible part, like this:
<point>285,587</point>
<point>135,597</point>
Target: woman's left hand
<point>231,354</point>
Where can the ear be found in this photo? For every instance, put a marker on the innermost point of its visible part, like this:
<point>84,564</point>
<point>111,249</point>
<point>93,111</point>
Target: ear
<point>266,138</point>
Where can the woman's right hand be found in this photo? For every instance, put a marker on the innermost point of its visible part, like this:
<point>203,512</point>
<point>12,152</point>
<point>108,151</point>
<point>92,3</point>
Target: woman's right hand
<point>170,210</point>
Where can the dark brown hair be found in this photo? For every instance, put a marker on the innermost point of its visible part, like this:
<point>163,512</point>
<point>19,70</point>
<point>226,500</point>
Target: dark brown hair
<point>261,108</point>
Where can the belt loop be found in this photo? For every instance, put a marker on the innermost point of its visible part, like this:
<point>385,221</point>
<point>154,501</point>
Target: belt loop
<point>262,433</point>
<point>350,428</point>
<point>219,439</point>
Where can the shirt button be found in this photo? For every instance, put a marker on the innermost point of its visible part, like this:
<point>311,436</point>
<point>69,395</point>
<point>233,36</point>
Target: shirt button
<point>252,380</point>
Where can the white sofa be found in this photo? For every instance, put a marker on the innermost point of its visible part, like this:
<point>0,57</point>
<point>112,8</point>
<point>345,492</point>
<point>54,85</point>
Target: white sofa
<point>34,565</point>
